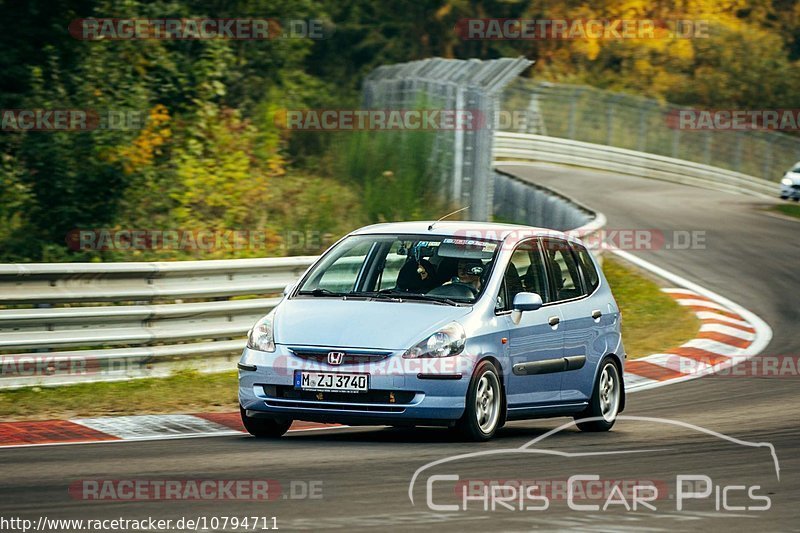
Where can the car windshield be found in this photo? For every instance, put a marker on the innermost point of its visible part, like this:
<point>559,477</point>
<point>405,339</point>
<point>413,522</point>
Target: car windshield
<point>435,269</point>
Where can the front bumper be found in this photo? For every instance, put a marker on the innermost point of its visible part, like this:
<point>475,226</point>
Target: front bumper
<point>402,391</point>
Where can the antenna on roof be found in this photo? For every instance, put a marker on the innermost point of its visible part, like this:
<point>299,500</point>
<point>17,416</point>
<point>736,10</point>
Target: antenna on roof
<point>447,215</point>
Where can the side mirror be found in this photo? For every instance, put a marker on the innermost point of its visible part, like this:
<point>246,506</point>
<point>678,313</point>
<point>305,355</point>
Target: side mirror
<point>527,301</point>
<point>288,289</point>
<point>524,301</point>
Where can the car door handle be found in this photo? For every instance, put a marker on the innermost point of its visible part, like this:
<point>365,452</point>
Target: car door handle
<point>596,314</point>
<point>553,321</point>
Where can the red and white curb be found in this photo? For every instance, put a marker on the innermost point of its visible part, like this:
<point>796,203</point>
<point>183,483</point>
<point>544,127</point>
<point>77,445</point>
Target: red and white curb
<point>729,334</point>
<point>723,341</point>
<point>128,428</point>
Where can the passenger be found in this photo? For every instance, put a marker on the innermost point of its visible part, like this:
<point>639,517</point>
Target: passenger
<point>416,276</point>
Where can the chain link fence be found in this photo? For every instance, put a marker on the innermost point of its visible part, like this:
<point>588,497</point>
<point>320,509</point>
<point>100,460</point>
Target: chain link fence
<point>461,156</point>
<point>591,115</point>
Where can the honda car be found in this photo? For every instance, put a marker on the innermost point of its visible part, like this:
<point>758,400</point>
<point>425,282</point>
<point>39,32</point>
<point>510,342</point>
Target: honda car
<point>460,324</point>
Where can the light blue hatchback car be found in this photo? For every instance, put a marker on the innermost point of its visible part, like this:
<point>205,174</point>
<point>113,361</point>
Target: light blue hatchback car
<point>460,324</point>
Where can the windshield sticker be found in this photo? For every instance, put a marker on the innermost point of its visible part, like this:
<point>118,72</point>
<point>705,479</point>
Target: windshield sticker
<point>485,246</point>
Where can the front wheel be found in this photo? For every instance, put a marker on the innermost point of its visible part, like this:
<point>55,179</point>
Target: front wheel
<point>264,428</point>
<point>483,412</point>
<point>605,401</point>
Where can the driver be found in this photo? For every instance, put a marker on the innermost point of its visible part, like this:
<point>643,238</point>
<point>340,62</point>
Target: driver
<point>469,273</point>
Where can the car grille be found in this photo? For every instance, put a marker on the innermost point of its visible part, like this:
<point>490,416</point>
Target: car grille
<point>796,186</point>
<point>351,357</point>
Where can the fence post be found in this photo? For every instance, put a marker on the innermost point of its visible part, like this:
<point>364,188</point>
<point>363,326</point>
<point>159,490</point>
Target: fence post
<point>572,112</point>
<point>768,157</point>
<point>641,141</point>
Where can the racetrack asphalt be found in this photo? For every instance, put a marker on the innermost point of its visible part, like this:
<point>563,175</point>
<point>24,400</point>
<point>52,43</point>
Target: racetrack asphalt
<point>749,257</point>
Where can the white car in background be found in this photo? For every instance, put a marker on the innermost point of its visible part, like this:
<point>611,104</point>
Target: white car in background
<point>790,183</point>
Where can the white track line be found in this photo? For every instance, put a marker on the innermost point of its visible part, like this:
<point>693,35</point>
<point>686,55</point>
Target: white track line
<point>225,433</point>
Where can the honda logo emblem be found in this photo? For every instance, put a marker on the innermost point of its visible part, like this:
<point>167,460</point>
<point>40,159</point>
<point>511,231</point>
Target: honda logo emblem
<point>335,358</point>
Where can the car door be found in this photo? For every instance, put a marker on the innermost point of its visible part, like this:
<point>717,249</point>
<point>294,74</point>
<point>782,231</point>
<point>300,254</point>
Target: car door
<point>536,340</point>
<point>578,326</point>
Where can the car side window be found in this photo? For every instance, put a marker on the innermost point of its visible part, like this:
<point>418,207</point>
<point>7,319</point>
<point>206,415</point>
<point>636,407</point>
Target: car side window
<point>563,269</point>
<point>525,273</point>
<point>590,275</point>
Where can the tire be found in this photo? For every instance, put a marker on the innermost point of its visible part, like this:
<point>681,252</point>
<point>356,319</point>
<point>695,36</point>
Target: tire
<point>606,399</point>
<point>264,428</point>
<point>784,197</point>
<point>483,411</point>
<point>796,198</point>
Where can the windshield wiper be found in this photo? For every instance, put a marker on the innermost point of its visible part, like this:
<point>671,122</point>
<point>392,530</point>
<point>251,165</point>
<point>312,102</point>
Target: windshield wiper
<point>399,295</point>
<point>322,292</point>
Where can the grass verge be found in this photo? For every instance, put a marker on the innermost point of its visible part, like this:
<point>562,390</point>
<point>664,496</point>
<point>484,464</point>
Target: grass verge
<point>792,210</point>
<point>645,309</point>
<point>183,392</point>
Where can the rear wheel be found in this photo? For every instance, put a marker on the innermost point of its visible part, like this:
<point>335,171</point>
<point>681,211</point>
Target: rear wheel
<point>605,401</point>
<point>264,428</point>
<point>483,411</point>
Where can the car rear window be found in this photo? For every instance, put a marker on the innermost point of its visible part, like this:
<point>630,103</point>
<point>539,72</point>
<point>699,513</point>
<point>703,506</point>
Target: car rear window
<point>590,274</point>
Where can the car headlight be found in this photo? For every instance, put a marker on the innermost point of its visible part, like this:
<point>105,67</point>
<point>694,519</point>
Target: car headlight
<point>449,340</point>
<point>262,337</point>
<point>786,181</point>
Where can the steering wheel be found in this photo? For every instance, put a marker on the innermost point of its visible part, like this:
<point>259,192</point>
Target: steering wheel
<point>454,290</point>
<point>472,289</point>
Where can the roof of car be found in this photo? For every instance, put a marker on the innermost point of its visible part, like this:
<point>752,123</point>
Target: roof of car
<point>459,228</point>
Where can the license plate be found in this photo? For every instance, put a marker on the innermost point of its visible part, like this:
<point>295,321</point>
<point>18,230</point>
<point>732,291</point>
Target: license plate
<point>331,381</point>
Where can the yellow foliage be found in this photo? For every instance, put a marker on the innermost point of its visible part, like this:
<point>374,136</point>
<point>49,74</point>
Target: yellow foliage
<point>148,143</point>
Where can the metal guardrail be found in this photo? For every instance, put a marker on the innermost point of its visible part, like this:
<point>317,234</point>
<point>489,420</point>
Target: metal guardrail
<point>164,316</point>
<point>526,203</point>
<point>510,146</point>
